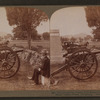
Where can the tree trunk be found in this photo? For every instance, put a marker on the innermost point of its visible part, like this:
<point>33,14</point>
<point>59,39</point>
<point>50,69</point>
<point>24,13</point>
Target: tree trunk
<point>29,41</point>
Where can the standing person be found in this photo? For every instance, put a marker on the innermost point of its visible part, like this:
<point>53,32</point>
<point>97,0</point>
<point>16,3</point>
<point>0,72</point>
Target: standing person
<point>43,69</point>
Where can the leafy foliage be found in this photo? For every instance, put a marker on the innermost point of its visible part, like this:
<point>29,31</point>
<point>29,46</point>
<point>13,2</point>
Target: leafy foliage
<point>80,39</point>
<point>86,38</point>
<point>73,39</point>
<point>64,39</point>
<point>46,36</point>
<point>18,33</point>
<point>25,20</point>
<point>93,19</point>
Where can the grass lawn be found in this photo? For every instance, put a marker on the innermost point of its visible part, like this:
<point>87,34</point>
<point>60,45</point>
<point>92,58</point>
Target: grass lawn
<point>20,80</point>
<point>24,43</point>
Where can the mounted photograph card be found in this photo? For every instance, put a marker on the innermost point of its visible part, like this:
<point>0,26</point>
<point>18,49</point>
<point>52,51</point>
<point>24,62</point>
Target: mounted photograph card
<point>49,51</point>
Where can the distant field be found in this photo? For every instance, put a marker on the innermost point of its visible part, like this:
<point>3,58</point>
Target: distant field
<point>43,43</point>
<point>24,43</point>
<point>96,44</point>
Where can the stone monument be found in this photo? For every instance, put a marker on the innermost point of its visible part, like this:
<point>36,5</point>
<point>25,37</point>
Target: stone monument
<point>55,47</point>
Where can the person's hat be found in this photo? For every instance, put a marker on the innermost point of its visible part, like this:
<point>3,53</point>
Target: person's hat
<point>44,51</point>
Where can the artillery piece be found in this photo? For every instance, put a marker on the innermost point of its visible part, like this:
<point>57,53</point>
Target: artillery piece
<point>81,63</point>
<point>9,62</point>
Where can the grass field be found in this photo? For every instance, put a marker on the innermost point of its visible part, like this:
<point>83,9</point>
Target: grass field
<point>20,80</point>
<point>67,82</point>
<point>24,43</point>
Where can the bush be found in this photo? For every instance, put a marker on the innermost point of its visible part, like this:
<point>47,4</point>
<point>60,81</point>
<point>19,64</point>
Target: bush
<point>34,48</point>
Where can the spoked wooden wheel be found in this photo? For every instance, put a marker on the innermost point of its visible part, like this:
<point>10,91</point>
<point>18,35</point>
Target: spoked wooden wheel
<point>9,63</point>
<point>83,64</point>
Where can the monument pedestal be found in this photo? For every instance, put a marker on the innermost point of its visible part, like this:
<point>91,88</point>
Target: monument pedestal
<point>55,47</point>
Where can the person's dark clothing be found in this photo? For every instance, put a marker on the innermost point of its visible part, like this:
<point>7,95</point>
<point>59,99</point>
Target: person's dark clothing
<point>35,76</point>
<point>45,70</point>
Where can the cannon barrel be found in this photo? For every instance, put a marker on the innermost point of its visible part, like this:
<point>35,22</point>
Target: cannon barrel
<point>95,52</point>
<point>59,70</point>
<point>17,51</point>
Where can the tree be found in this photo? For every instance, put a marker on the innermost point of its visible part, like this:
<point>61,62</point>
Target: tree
<point>88,37</point>
<point>93,19</point>
<point>64,39</point>
<point>72,39</point>
<point>25,20</point>
<point>38,37</point>
<point>46,36</point>
<point>80,39</point>
<point>18,33</point>
<point>8,37</point>
<point>96,33</point>
<point>1,38</point>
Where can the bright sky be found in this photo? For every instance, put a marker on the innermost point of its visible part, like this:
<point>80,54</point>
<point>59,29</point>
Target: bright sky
<point>70,21</point>
<point>43,27</point>
<point>5,28</point>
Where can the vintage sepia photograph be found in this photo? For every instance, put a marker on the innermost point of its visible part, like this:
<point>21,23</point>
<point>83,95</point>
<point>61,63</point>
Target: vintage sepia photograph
<point>24,49</point>
<point>50,49</point>
<point>75,48</point>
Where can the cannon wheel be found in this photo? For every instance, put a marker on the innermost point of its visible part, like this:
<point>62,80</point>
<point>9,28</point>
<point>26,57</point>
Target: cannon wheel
<point>9,63</point>
<point>83,64</point>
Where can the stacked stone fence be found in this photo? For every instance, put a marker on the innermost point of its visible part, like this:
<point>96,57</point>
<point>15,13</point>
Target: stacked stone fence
<point>28,56</point>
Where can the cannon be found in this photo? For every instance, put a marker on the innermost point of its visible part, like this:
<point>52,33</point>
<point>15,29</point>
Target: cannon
<point>9,62</point>
<point>82,64</point>
<point>71,47</point>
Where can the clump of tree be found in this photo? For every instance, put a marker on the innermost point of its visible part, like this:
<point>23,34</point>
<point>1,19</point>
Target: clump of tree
<point>25,20</point>
<point>64,39</point>
<point>1,38</point>
<point>93,19</point>
<point>22,35</point>
<point>8,36</point>
<point>80,39</point>
<point>88,37</point>
<point>73,39</point>
<point>46,36</point>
